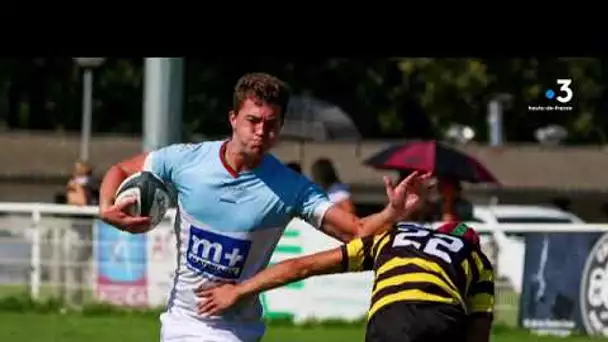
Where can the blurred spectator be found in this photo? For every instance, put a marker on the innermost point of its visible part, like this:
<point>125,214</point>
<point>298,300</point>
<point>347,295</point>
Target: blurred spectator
<point>82,187</point>
<point>453,207</point>
<point>325,175</point>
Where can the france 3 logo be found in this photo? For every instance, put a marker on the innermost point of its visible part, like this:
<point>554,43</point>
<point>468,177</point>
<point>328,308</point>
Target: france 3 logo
<point>216,256</point>
<point>563,94</point>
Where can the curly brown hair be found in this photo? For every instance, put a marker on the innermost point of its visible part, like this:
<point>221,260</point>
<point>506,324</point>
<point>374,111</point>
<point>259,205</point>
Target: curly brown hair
<point>261,87</point>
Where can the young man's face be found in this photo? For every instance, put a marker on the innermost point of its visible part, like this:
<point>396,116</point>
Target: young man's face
<point>256,127</point>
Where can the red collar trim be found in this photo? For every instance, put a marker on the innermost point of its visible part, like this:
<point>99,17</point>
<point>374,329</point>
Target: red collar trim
<point>227,166</point>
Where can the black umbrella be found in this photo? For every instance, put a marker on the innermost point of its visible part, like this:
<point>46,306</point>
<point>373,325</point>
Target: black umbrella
<point>310,118</point>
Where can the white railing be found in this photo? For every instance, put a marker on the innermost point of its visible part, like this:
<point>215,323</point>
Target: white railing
<point>55,239</point>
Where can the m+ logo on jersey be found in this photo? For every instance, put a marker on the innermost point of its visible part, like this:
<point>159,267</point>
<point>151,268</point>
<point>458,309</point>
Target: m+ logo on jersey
<point>216,255</point>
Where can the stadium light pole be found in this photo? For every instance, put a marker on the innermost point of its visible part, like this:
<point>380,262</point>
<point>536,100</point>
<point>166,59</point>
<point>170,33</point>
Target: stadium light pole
<point>88,64</point>
<point>495,116</point>
<point>163,102</point>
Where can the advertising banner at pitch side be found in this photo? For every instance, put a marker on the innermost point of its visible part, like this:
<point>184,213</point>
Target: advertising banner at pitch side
<point>565,287</point>
<point>121,260</point>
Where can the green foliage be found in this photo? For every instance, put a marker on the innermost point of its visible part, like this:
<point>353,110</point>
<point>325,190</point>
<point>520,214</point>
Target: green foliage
<point>393,97</point>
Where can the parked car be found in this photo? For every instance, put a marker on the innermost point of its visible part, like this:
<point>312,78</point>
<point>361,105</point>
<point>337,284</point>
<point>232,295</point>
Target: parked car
<point>525,214</point>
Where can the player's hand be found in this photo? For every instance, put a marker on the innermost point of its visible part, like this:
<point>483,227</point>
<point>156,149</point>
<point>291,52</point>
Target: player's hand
<point>117,217</point>
<point>409,195</point>
<point>217,299</point>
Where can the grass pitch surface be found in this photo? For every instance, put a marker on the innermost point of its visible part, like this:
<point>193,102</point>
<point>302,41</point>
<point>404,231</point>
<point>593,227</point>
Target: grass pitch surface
<point>35,327</point>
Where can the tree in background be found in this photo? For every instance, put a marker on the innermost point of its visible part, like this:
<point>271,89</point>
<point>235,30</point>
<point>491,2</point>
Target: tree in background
<point>387,98</point>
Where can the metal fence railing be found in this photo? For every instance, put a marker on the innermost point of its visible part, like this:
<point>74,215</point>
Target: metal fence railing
<point>48,251</point>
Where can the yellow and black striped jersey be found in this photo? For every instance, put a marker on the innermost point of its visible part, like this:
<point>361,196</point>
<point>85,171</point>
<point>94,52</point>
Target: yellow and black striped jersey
<point>414,263</point>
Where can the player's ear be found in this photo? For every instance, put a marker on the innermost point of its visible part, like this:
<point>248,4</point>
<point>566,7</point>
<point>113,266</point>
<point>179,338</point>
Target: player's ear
<point>232,118</point>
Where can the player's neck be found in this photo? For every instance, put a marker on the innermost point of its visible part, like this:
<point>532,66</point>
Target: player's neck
<point>237,160</point>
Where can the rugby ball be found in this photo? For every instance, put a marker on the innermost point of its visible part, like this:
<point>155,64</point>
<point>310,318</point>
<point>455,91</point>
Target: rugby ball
<point>151,194</point>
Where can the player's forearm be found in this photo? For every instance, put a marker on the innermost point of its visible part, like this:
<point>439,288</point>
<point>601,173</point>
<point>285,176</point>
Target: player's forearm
<point>116,175</point>
<point>377,223</point>
<point>345,226</point>
<point>290,271</point>
<point>110,183</point>
<point>280,274</point>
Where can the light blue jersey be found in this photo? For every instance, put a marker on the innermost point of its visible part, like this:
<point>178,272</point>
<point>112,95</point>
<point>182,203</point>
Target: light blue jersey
<point>227,224</point>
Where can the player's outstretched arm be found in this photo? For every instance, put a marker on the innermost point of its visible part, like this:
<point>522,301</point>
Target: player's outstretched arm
<point>220,298</point>
<point>404,200</point>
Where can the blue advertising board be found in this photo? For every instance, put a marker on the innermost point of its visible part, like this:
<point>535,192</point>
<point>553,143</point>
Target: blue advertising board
<point>121,265</point>
<point>554,291</point>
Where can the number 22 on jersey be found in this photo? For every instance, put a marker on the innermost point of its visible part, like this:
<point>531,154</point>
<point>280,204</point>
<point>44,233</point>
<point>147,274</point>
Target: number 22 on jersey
<point>437,245</point>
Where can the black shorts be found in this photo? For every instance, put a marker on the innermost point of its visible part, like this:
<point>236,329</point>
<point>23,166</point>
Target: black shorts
<point>417,322</point>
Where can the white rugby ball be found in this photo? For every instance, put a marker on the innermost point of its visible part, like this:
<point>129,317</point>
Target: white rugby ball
<point>151,194</point>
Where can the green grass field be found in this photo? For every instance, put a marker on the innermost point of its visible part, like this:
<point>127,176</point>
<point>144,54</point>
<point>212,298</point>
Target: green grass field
<point>25,320</point>
<point>35,327</point>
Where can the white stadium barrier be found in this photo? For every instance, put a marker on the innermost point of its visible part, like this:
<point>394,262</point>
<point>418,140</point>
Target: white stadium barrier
<point>64,251</point>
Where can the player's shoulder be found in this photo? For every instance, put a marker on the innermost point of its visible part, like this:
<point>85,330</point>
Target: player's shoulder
<point>202,146</point>
<point>460,229</point>
<point>179,156</point>
<point>276,167</point>
<point>274,163</point>
<point>195,149</point>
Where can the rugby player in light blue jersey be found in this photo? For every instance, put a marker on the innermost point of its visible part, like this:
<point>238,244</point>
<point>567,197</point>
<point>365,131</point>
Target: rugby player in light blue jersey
<point>234,200</point>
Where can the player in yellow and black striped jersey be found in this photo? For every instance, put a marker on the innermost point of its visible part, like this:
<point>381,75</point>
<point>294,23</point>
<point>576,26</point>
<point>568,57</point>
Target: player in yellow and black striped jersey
<point>430,285</point>
<point>427,282</point>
